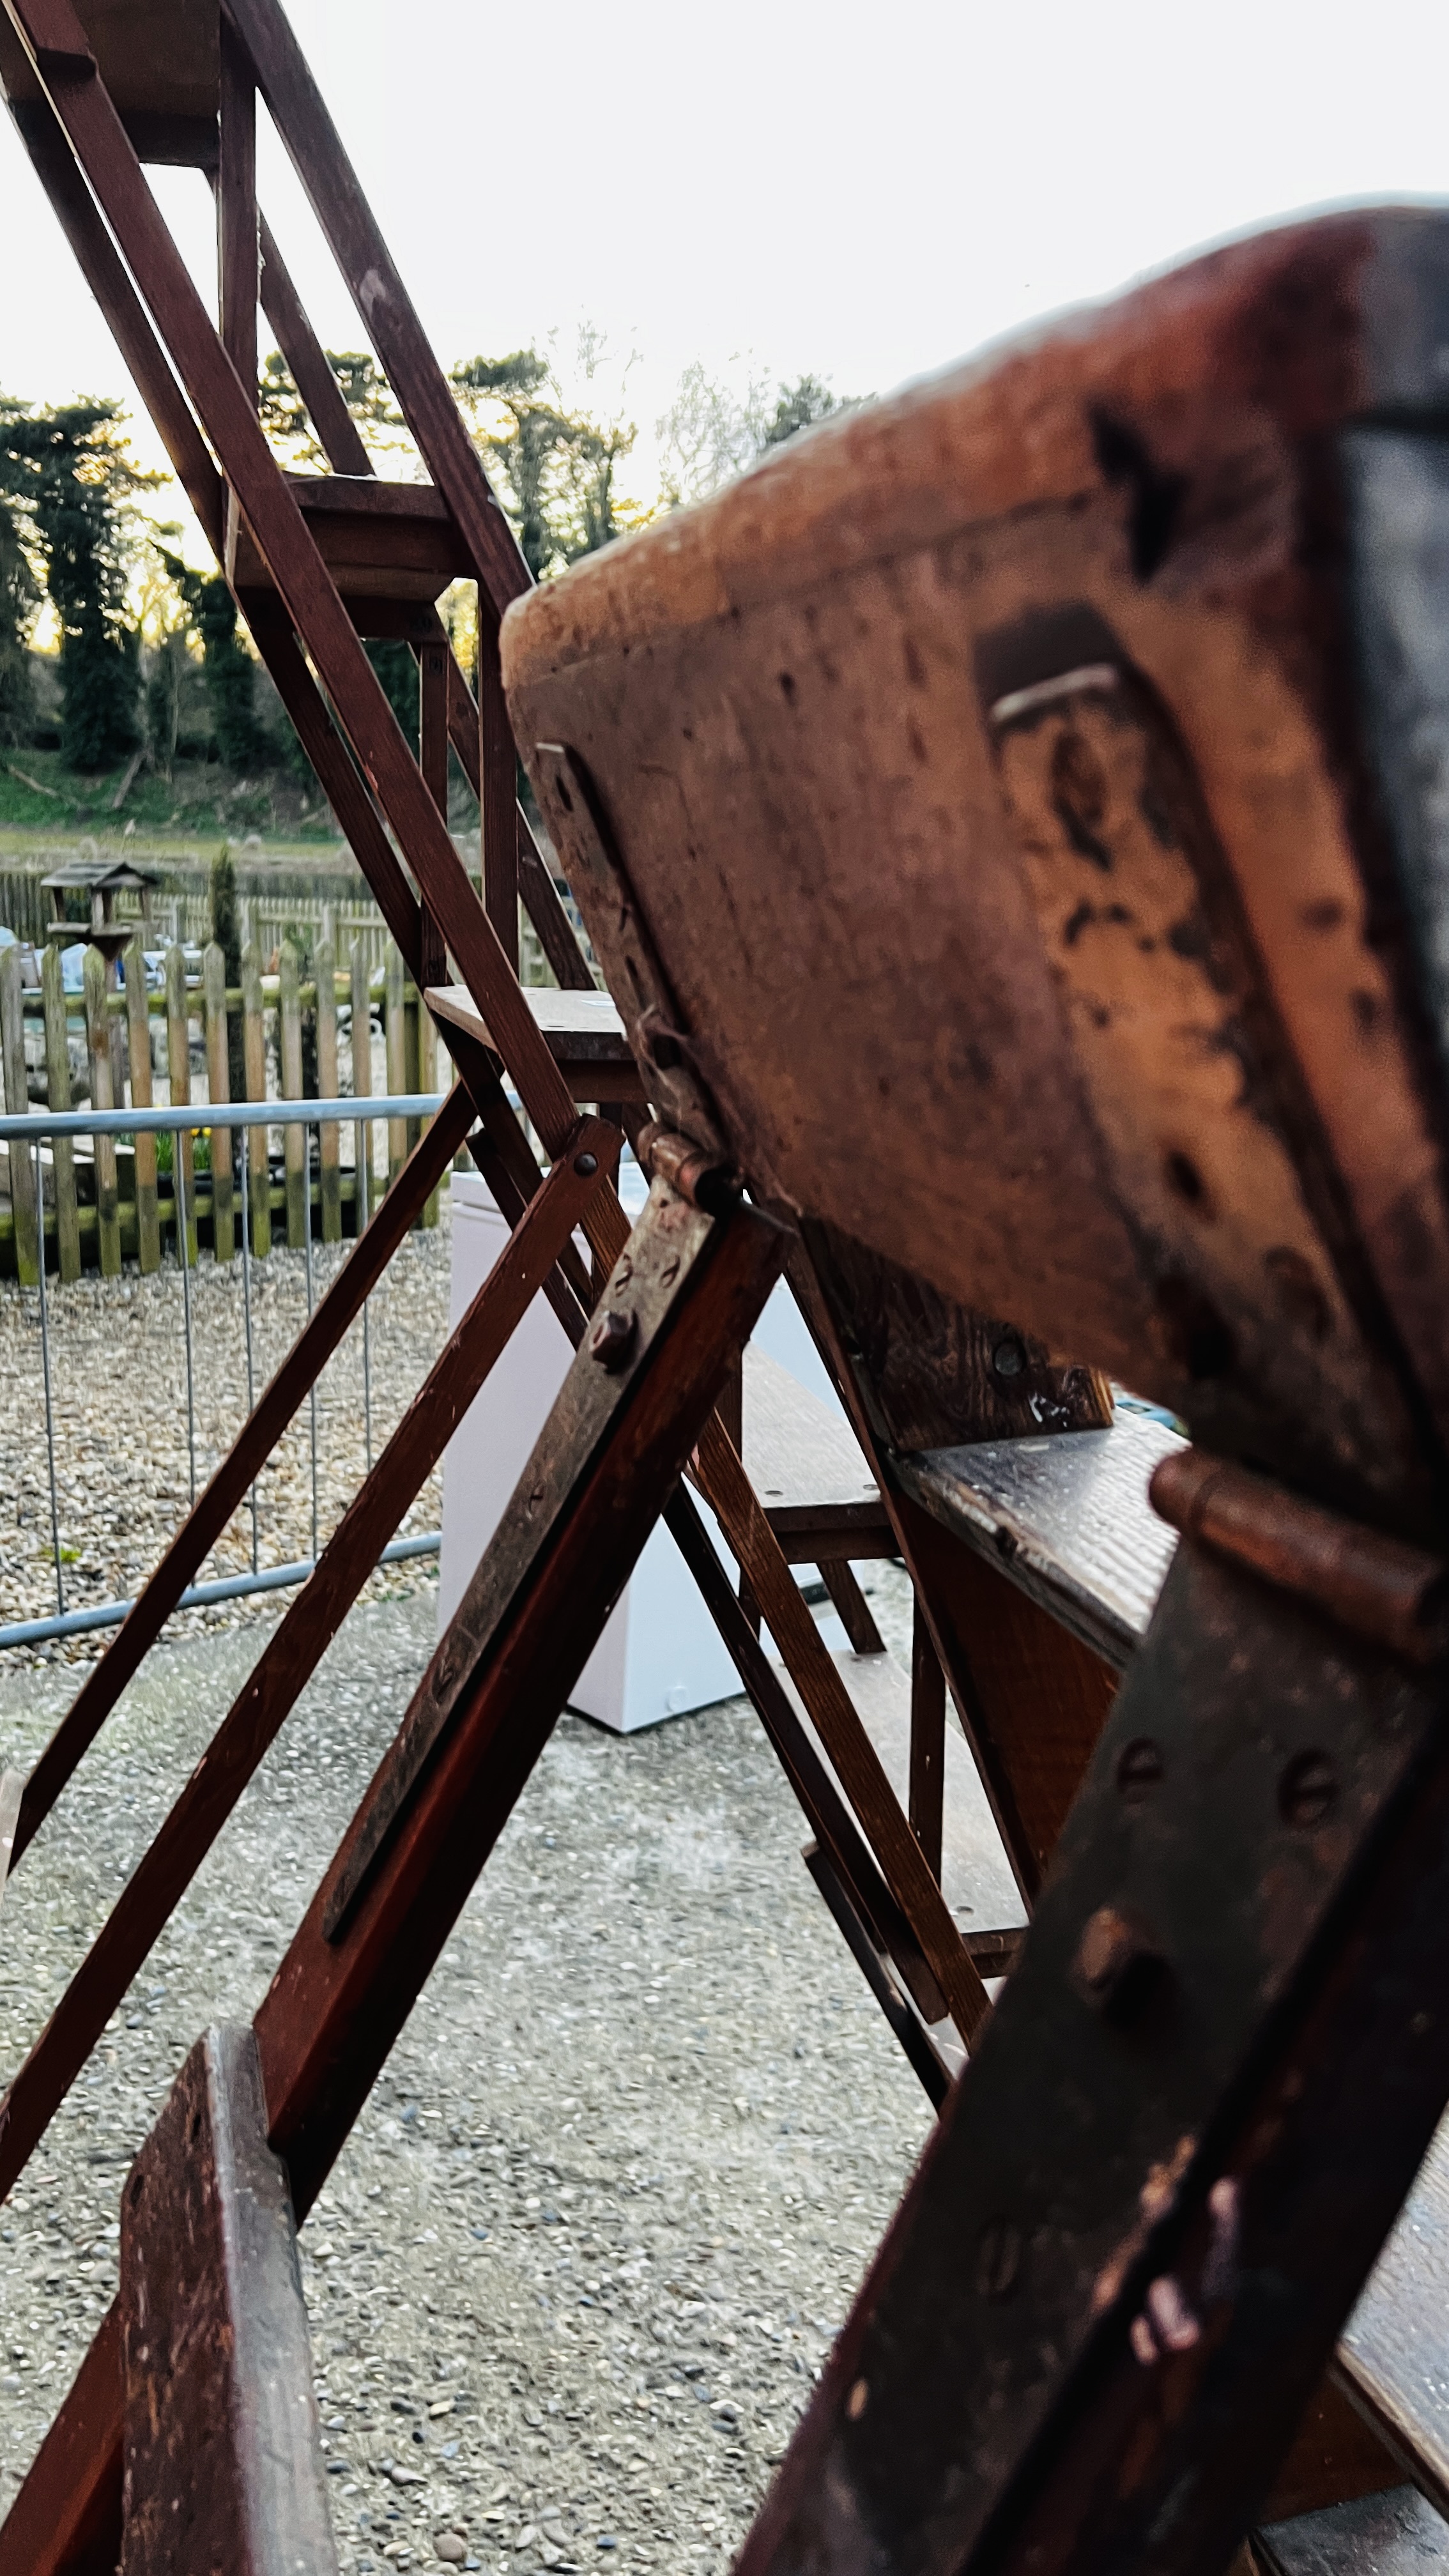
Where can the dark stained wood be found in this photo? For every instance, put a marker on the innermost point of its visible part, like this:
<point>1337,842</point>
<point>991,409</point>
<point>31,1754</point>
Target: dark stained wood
<point>236,213</point>
<point>851,1606</point>
<point>581,1029</point>
<point>337,431</point>
<point>223,2445</point>
<point>934,1373</point>
<point>105,273</point>
<point>727,1490</point>
<point>333,1316</point>
<point>498,791</point>
<point>296,1647</point>
<point>296,566</point>
<point>1336,2456</point>
<point>388,315</point>
<point>1049,631</point>
<point>928,1740</point>
<point>393,541</point>
<point>158,58</point>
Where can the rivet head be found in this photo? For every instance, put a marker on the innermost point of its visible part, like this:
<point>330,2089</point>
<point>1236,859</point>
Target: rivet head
<point>1117,1963</point>
<point>1307,1790</point>
<point>1008,1359</point>
<point>1139,1769</point>
<point>586,1165</point>
<point>612,1337</point>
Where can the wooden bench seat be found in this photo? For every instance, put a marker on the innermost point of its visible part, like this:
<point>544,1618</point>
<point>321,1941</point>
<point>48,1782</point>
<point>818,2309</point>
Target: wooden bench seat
<point>804,1463</point>
<point>1066,1518</point>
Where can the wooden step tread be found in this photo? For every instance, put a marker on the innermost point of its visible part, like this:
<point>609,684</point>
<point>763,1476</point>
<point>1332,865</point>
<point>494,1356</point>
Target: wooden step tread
<point>1397,2533</point>
<point>1393,2357</point>
<point>1067,1518</point>
<point>583,1032</point>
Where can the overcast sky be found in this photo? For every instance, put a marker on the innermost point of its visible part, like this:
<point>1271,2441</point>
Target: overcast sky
<point>862,192</point>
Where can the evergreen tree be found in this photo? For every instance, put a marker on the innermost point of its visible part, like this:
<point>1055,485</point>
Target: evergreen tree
<point>18,595</point>
<point>398,671</point>
<point>227,667</point>
<point>68,468</point>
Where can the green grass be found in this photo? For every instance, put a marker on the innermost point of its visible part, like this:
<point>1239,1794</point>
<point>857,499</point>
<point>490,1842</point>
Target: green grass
<point>38,796</point>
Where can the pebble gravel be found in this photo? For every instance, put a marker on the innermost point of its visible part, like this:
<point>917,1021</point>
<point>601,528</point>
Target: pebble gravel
<point>124,1439</point>
<point>581,2259</point>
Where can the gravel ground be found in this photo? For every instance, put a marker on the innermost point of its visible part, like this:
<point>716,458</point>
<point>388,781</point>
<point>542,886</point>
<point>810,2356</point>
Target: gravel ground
<point>583,2255</point>
<point>123,1466</point>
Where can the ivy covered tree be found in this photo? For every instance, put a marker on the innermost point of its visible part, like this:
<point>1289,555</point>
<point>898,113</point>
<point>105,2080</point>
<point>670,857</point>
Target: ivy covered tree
<point>556,465</point>
<point>68,469</point>
<point>19,592</point>
<point>227,667</point>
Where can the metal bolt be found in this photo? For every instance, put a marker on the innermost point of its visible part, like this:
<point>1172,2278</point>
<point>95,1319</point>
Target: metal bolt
<point>1307,1790</point>
<point>586,1165</point>
<point>1116,1962</point>
<point>1139,1769</point>
<point>612,1337</point>
<point>1008,1359</point>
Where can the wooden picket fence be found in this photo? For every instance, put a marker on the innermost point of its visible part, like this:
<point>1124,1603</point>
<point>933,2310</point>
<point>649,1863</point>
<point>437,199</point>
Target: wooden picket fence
<point>113,1200</point>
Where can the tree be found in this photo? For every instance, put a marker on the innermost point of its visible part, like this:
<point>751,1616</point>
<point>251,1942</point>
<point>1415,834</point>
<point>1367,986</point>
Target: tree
<point>227,666</point>
<point>19,592</point>
<point>711,432</point>
<point>556,463</point>
<point>364,389</point>
<point>69,470</point>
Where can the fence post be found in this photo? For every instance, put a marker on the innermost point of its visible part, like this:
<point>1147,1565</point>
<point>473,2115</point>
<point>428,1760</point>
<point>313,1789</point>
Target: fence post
<point>294,1143</point>
<point>427,1081</point>
<point>218,1075</point>
<point>17,1102</point>
<point>329,1161</point>
<point>361,1078</point>
<point>98,1041</point>
<point>57,1093</point>
<point>138,1026</point>
<point>178,1065</point>
<point>394,1030</point>
<point>254,1053</point>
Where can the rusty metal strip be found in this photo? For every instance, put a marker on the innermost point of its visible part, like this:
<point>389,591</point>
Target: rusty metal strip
<point>295,1649</point>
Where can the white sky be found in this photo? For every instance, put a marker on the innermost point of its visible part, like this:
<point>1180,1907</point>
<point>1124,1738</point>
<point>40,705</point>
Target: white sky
<point>860,192</point>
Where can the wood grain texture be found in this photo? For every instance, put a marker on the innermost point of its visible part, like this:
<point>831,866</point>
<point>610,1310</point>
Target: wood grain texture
<point>800,676</point>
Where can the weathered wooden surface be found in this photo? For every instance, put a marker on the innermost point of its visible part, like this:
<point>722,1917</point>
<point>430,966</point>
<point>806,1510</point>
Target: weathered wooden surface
<point>1394,2354</point>
<point>583,1031</point>
<point>223,2447</point>
<point>1395,2533</point>
<point>1068,1519</point>
<point>1046,631</point>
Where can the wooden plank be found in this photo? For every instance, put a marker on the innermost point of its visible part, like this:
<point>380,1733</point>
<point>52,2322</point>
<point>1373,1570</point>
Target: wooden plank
<point>222,2438</point>
<point>1392,2533</point>
<point>254,1058</point>
<point>138,1040</point>
<point>581,1028</point>
<point>294,1135</point>
<point>12,1790</point>
<point>335,1313</point>
<point>799,1454</point>
<point>218,1077</point>
<point>178,1066</point>
<point>498,797</point>
<point>928,1740</point>
<point>329,1135</point>
<point>24,1196</point>
<point>294,1650</point>
<point>387,313</point>
<point>427,1082</point>
<point>851,1607</point>
<point>98,1044</point>
<point>1068,1518</point>
<point>1393,2357</point>
<point>236,211</point>
<point>57,1094</point>
<point>749,1538</point>
<point>395,1043</point>
<point>311,600</point>
<point>337,431</point>
<point>361,981</point>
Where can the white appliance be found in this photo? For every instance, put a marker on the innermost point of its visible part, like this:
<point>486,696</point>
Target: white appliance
<point>660,1654</point>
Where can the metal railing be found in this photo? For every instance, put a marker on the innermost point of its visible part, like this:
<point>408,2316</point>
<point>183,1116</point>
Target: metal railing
<point>197,1119</point>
